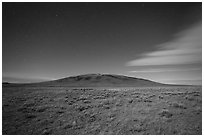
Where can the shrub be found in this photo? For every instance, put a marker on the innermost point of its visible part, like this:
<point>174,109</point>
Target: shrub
<point>166,113</point>
<point>177,105</point>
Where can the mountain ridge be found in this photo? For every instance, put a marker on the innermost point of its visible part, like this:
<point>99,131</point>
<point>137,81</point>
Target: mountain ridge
<point>98,80</point>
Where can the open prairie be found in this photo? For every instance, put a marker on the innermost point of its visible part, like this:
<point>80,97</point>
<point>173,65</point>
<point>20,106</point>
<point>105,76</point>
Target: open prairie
<point>63,110</point>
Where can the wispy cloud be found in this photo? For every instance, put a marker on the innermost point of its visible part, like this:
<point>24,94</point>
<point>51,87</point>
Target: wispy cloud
<point>177,61</point>
<point>185,48</point>
<point>158,70</point>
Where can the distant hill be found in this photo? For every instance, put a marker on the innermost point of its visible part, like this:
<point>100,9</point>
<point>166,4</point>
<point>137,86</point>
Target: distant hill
<point>99,80</point>
<point>5,83</point>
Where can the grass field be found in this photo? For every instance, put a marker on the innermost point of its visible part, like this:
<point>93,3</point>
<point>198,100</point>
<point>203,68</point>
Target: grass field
<point>62,110</point>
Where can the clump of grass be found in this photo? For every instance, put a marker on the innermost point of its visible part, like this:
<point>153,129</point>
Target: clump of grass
<point>118,104</point>
<point>99,97</point>
<point>26,110</point>
<point>198,111</point>
<point>178,105</point>
<point>197,94</point>
<point>189,98</point>
<point>70,102</point>
<point>60,112</point>
<point>47,132</point>
<point>82,108</point>
<point>146,100</point>
<point>41,109</point>
<point>87,101</point>
<point>92,118</point>
<point>106,107</point>
<point>5,105</point>
<point>67,126</point>
<point>166,114</point>
<point>29,104</point>
<point>21,109</point>
<point>130,101</point>
<point>30,116</point>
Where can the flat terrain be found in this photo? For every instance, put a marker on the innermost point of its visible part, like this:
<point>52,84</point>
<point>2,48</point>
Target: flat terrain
<point>63,110</point>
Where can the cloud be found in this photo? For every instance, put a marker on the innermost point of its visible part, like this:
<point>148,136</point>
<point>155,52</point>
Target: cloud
<point>185,48</point>
<point>158,70</point>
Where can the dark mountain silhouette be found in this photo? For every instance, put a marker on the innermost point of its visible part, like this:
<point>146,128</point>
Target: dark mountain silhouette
<point>99,80</point>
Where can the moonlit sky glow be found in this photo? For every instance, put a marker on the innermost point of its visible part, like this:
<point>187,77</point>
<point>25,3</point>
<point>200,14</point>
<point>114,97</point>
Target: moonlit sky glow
<point>156,41</point>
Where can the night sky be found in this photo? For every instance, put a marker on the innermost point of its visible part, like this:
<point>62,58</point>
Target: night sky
<point>156,41</point>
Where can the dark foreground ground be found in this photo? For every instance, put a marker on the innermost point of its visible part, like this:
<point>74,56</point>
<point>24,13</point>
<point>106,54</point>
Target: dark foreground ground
<point>58,110</point>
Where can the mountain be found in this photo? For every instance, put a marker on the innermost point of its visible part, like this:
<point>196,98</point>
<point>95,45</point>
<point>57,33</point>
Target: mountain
<point>99,80</point>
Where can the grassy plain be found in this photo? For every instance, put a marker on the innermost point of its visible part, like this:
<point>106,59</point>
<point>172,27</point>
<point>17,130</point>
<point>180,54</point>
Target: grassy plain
<point>63,110</point>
